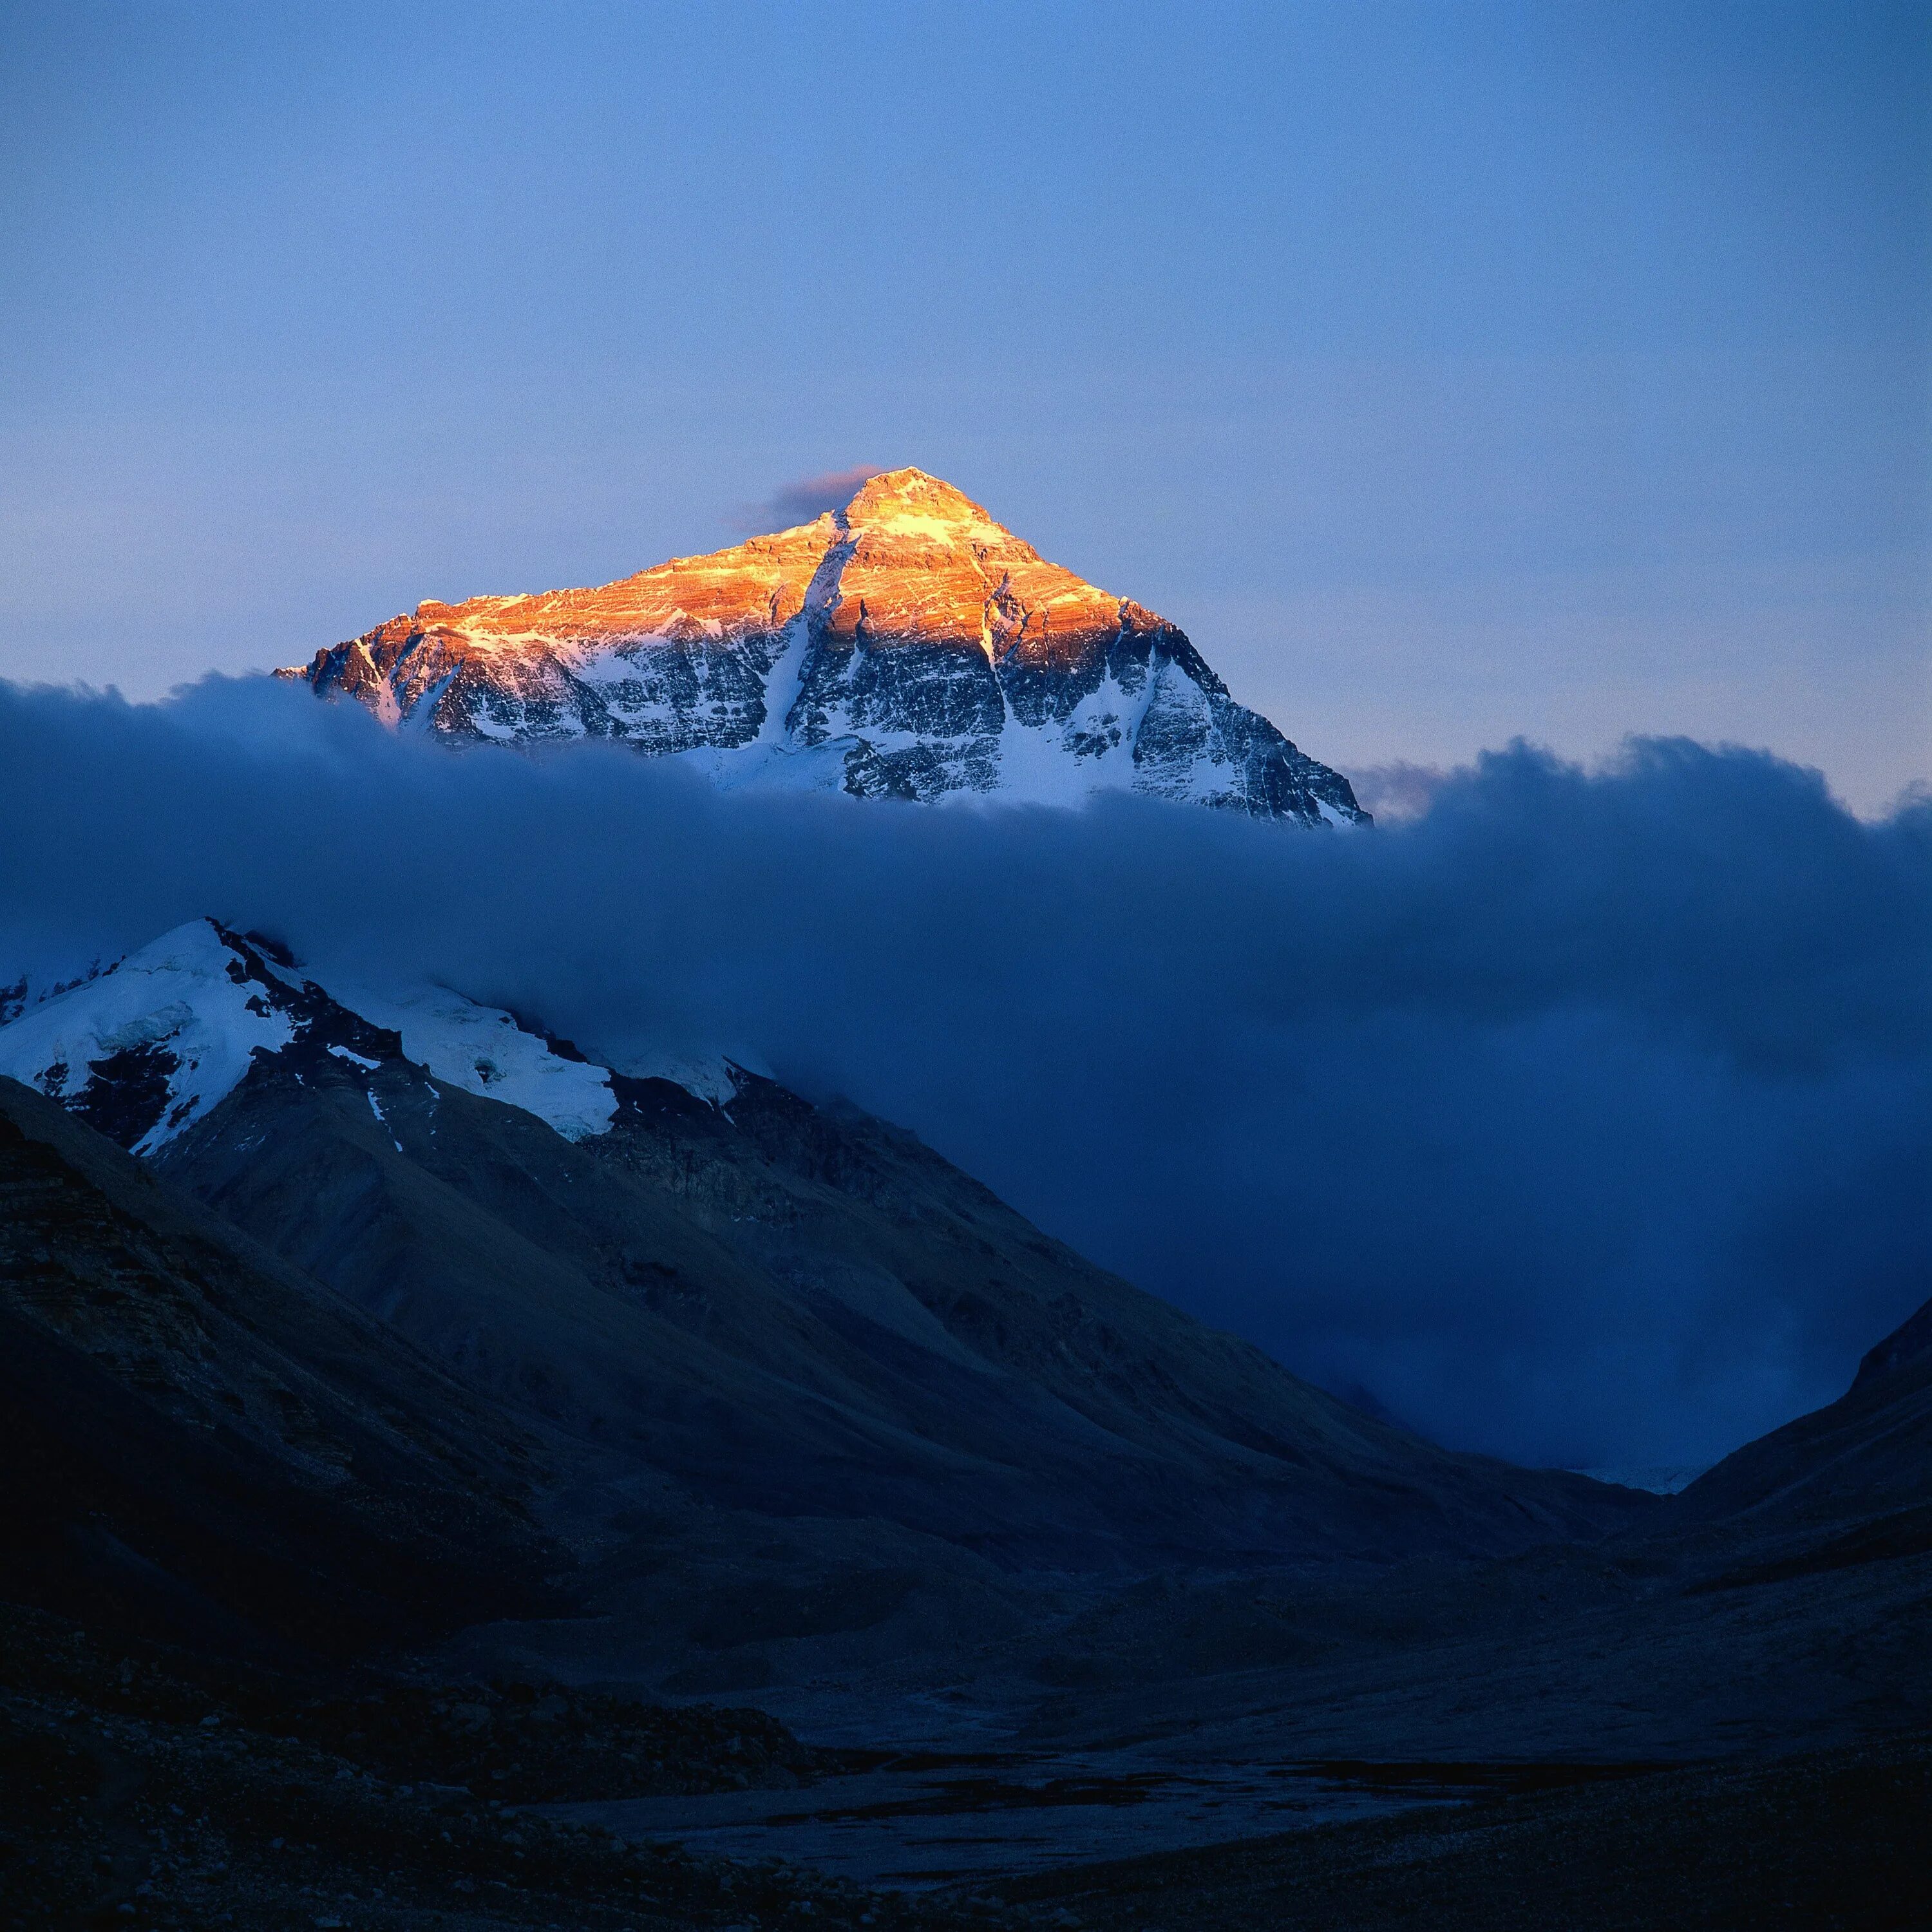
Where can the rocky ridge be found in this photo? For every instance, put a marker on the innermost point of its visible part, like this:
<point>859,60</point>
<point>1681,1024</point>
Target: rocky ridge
<point>906,646</point>
<point>156,1043</point>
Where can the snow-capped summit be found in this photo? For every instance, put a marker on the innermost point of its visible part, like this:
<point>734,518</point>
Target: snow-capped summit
<point>150,1048</point>
<point>906,646</point>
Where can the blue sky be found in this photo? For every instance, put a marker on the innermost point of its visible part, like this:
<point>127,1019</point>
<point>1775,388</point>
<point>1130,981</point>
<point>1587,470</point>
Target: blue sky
<point>1449,372</point>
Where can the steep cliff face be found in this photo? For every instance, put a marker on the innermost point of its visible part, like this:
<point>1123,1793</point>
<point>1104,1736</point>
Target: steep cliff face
<point>905,646</point>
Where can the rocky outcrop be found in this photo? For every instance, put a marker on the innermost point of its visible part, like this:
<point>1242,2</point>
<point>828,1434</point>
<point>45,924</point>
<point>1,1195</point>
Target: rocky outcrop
<point>906,646</point>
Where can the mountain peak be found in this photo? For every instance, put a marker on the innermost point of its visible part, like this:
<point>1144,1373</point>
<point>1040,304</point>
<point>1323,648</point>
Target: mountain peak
<point>910,499</point>
<point>905,646</point>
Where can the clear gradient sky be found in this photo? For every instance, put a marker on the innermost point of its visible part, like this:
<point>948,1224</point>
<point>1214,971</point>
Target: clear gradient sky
<point>1449,372</point>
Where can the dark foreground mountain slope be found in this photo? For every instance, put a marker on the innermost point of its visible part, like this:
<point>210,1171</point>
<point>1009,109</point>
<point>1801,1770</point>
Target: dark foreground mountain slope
<point>1849,1484</point>
<point>1784,1599</point>
<point>1870,1449</point>
<point>803,1313</point>
<point>196,1440</point>
<point>712,1296</point>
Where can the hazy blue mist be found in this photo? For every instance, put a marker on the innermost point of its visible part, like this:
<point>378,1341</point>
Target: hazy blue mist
<point>1583,1117</point>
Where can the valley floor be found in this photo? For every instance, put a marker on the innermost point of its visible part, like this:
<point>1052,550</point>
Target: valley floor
<point>1827,1839</point>
<point>140,1789</point>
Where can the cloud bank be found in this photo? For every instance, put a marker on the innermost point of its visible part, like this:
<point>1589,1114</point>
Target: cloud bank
<point>1397,791</point>
<point>1583,1117</point>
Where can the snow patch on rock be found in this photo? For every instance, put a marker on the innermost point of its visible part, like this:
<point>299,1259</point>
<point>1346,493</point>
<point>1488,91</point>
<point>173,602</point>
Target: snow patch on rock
<point>154,1045</point>
<point>177,999</point>
<point>483,1050</point>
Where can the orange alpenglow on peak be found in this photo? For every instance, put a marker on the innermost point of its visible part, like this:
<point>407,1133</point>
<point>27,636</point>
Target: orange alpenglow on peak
<point>906,645</point>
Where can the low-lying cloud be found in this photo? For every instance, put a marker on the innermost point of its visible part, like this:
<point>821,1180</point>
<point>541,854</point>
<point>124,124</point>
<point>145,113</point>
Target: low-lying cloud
<point>1581,1117</point>
<point>1397,791</point>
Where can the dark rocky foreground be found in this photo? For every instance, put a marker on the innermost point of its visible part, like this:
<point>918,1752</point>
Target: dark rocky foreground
<point>738,1398</point>
<point>1826,1839</point>
<point>138,1786</point>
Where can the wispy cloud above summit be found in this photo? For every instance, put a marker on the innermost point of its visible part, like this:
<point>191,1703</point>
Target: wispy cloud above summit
<point>805,497</point>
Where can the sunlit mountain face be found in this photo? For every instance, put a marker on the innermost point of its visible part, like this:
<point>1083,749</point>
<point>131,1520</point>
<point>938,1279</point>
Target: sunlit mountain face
<point>906,646</point>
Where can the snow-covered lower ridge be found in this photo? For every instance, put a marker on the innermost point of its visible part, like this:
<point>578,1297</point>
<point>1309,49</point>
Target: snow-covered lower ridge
<point>906,646</point>
<point>153,1043</point>
<point>147,1048</point>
